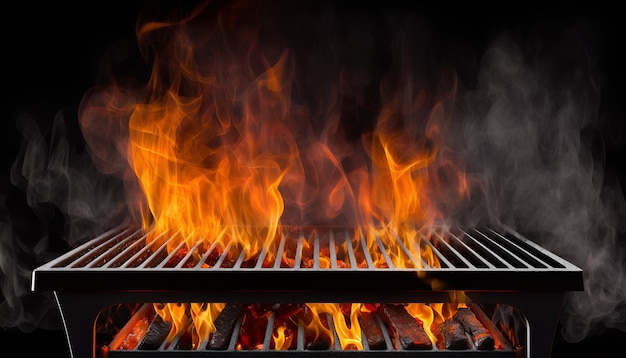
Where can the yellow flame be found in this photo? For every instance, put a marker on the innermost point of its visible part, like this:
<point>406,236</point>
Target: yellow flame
<point>176,313</point>
<point>348,332</point>
<point>221,149</point>
<point>203,316</point>
<point>282,341</point>
<point>425,314</point>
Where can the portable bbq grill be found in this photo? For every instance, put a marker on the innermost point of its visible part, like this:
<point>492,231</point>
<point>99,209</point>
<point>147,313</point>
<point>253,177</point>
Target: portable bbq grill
<point>490,266</point>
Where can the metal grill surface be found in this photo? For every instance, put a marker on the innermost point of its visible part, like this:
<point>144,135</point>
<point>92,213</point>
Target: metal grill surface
<point>468,259</point>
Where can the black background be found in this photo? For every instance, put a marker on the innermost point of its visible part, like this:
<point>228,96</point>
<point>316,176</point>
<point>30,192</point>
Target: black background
<point>52,52</point>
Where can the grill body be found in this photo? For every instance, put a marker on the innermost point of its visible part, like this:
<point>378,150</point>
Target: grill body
<point>487,265</point>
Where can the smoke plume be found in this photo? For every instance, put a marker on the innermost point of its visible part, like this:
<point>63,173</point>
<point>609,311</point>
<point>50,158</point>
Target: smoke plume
<point>532,130</point>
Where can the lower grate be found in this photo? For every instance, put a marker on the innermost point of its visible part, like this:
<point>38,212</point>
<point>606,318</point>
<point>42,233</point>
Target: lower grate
<point>145,335</point>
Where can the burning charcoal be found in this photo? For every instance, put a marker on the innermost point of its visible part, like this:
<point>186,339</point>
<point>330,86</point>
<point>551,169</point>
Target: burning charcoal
<point>480,335</point>
<point>287,262</point>
<point>407,331</point>
<point>261,309</point>
<point>252,331</point>
<point>346,308</point>
<point>213,257</point>
<point>318,338</point>
<point>176,258</point>
<point>450,335</point>
<point>320,343</point>
<point>185,342</point>
<point>137,332</point>
<point>304,314</point>
<point>373,332</point>
<point>157,331</point>
<point>224,325</point>
<point>284,311</point>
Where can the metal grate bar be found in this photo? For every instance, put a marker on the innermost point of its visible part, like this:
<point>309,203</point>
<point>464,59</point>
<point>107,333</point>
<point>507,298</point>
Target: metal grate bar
<point>442,259</point>
<point>383,251</point>
<point>107,254</point>
<point>350,249</point>
<point>406,250</point>
<point>316,250</point>
<point>332,250</point>
<point>131,253</point>
<point>366,253</point>
<point>544,259</point>
<point>457,254</point>
<point>156,257</point>
<point>208,252</point>
<point>486,255</point>
<point>279,253</point>
<point>508,258</point>
<point>222,258</point>
<point>298,258</point>
<point>262,254</point>
<point>170,255</point>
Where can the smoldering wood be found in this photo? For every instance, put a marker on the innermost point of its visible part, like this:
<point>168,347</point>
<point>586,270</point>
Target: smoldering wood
<point>224,325</point>
<point>137,331</point>
<point>451,335</point>
<point>406,331</point>
<point>155,335</point>
<point>373,333</point>
<point>481,336</point>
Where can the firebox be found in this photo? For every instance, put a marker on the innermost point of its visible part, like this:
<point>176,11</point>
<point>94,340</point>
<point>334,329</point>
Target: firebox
<point>372,284</point>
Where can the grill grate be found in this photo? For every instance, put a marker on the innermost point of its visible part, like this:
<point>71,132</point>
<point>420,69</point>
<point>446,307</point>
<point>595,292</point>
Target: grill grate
<point>468,259</point>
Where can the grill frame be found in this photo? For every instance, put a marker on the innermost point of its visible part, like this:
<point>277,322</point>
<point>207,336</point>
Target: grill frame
<point>82,290</point>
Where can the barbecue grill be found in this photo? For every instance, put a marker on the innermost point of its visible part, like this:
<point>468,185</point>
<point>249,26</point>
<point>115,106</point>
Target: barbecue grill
<point>488,265</point>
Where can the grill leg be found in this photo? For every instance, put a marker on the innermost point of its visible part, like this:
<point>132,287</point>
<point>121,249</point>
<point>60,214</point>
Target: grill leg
<point>542,314</point>
<point>79,313</point>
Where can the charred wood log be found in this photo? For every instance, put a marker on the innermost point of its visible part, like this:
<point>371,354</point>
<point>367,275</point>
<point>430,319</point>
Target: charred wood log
<point>373,332</point>
<point>155,335</point>
<point>224,325</point>
<point>481,337</point>
<point>137,331</point>
<point>451,335</point>
<point>407,332</point>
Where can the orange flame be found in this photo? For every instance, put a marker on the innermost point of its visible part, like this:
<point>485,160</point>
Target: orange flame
<point>174,313</point>
<point>227,153</point>
<point>282,341</point>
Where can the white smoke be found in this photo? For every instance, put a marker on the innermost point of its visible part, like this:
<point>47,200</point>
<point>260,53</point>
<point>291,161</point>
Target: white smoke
<point>531,132</point>
<point>61,186</point>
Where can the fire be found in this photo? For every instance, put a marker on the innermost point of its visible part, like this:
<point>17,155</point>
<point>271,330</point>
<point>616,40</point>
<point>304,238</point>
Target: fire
<point>228,151</point>
<point>174,313</point>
